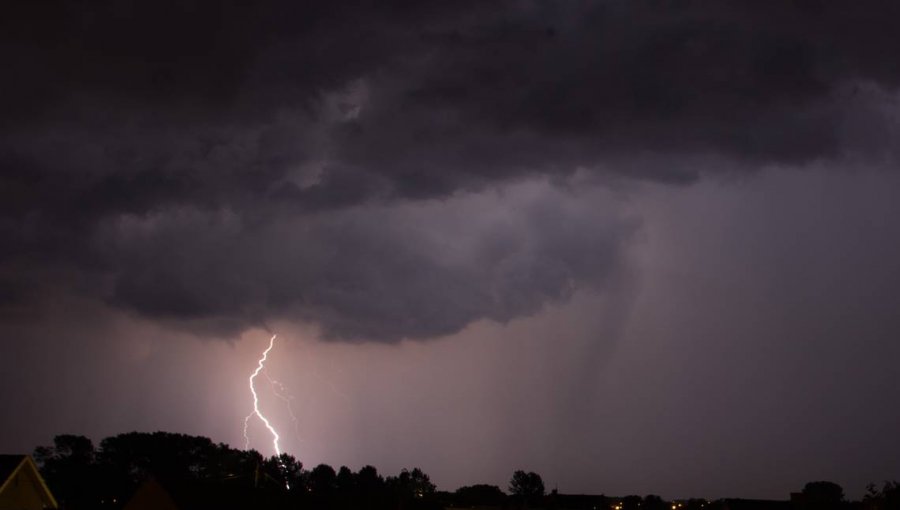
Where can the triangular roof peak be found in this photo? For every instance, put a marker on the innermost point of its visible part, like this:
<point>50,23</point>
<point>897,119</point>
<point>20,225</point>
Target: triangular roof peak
<point>12,465</point>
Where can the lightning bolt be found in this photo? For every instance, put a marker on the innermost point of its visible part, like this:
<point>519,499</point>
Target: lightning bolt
<point>259,368</point>
<point>281,392</point>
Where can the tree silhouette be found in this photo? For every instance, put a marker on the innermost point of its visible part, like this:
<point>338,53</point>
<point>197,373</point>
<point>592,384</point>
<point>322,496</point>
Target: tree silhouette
<point>632,502</point>
<point>527,486</point>
<point>479,495</point>
<point>411,490</point>
<point>69,467</point>
<point>369,488</point>
<point>414,483</point>
<point>368,479</point>
<point>653,502</point>
<point>284,470</point>
<point>84,477</point>
<point>695,504</point>
<point>346,481</point>
<point>822,495</point>
<point>322,480</point>
<point>888,498</point>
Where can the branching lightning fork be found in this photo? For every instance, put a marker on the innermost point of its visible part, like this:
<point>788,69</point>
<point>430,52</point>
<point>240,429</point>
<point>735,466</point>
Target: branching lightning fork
<point>259,368</point>
<point>281,392</point>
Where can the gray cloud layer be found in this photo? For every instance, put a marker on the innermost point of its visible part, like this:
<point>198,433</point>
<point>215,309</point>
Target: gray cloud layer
<point>225,164</point>
<point>417,270</point>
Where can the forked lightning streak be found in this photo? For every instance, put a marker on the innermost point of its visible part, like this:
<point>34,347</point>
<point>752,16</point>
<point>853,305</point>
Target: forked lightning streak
<point>259,368</point>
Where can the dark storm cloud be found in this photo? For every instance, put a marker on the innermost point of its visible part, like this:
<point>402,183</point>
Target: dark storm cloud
<point>203,161</point>
<point>376,273</point>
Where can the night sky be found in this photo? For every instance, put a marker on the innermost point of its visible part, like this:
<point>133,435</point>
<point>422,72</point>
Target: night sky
<point>635,246</point>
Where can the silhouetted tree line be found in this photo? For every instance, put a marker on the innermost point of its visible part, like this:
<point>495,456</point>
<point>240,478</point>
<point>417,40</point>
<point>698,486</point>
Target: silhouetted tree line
<point>886,498</point>
<point>85,477</point>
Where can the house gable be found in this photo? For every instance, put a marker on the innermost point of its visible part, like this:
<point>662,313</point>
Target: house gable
<point>151,496</point>
<point>22,486</point>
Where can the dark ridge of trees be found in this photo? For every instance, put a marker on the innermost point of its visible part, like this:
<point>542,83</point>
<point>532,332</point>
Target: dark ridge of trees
<point>71,470</point>
<point>527,488</point>
<point>632,502</point>
<point>479,495</point>
<point>577,502</point>
<point>886,498</point>
<point>86,477</point>
<point>822,496</point>
<point>654,502</point>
